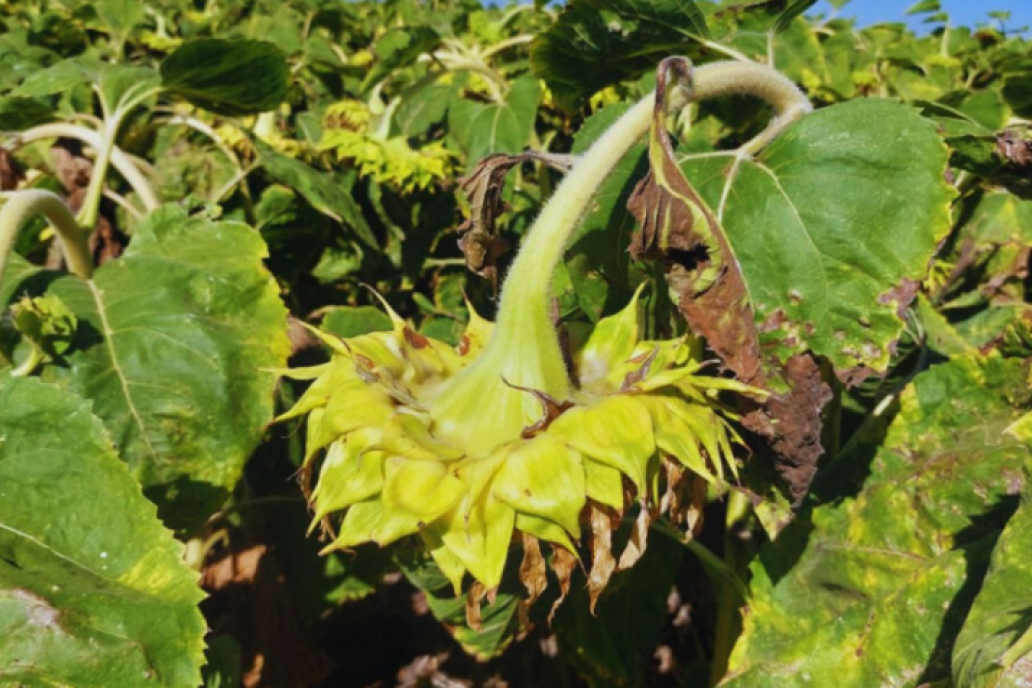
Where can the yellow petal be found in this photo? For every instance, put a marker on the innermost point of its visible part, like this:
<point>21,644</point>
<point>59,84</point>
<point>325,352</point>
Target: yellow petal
<point>336,375</point>
<point>543,477</point>
<point>610,344</point>
<point>677,433</point>
<point>604,484</point>
<point>616,432</point>
<point>480,537</point>
<point>356,407</point>
<point>406,435</point>
<point>544,529</point>
<point>370,521</point>
<point>425,488</point>
<point>349,474</point>
<point>450,565</point>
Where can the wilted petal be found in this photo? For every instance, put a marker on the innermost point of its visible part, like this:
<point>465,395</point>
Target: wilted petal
<point>371,522</point>
<point>543,477</point>
<point>616,432</point>
<point>424,488</point>
<point>604,484</point>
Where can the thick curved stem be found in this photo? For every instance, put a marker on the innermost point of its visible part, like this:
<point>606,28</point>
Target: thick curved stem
<point>22,206</point>
<point>527,291</point>
<point>524,351</point>
<point>119,160</point>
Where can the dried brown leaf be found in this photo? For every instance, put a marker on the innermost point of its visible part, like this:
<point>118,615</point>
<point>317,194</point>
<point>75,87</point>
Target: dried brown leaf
<point>11,173</point>
<point>479,240</point>
<point>790,424</point>
<point>603,564</point>
<point>474,596</point>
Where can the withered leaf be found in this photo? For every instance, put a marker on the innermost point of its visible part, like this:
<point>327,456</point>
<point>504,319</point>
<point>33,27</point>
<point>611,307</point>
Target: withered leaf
<point>479,241</point>
<point>533,573</point>
<point>635,547</point>
<point>679,229</point>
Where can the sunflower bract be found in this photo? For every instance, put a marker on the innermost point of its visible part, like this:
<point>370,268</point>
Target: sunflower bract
<point>384,475</point>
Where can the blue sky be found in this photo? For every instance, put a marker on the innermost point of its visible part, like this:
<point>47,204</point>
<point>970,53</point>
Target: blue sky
<point>962,12</point>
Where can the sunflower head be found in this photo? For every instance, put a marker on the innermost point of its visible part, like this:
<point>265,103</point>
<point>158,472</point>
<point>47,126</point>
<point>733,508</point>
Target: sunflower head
<point>639,425</point>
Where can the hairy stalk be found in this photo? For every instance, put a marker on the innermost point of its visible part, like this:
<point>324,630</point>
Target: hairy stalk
<point>524,351</point>
<point>90,209</point>
<point>22,206</point>
<point>118,158</point>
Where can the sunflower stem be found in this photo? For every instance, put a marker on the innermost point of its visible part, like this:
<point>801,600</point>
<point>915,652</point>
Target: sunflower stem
<point>22,206</point>
<point>524,350</point>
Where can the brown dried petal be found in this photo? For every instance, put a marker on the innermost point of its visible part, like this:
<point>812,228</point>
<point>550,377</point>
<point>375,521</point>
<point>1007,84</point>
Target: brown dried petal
<point>603,564</point>
<point>563,564</point>
<point>533,573</point>
<point>639,539</point>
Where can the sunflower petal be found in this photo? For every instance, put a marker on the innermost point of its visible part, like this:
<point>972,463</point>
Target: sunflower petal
<point>543,477</point>
<point>544,529</point>
<point>480,537</point>
<point>604,484</point>
<point>616,432</point>
<point>349,474</point>
<point>425,488</point>
<point>371,522</point>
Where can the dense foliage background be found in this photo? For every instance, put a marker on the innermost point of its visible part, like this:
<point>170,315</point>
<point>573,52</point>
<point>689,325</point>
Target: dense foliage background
<point>264,163</point>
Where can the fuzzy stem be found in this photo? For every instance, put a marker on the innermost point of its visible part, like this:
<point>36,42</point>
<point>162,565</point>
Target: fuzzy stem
<point>21,206</point>
<point>528,289</point>
<point>119,160</point>
<point>90,210</point>
<point>524,350</point>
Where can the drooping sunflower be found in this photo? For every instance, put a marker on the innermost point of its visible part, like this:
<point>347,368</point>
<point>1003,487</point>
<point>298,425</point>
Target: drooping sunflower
<point>394,468</point>
<point>508,433</point>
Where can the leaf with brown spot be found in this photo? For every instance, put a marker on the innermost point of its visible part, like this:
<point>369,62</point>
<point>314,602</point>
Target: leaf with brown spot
<point>677,227</point>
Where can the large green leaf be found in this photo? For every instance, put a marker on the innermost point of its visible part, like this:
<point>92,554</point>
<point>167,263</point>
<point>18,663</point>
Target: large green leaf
<point>93,590</point>
<point>497,127</point>
<point>115,83</point>
<point>173,343</point>
<point>596,43</point>
<point>994,650</point>
<point>871,591</point>
<point>227,77</point>
<point>831,224</point>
